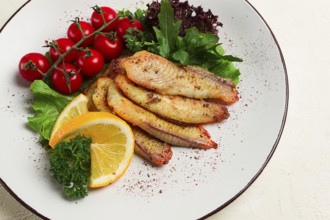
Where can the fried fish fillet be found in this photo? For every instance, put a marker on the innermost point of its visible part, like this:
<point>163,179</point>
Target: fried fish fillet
<point>186,136</point>
<point>89,91</point>
<point>151,149</point>
<point>146,146</point>
<point>159,74</point>
<point>96,85</point>
<point>177,108</point>
<point>100,94</point>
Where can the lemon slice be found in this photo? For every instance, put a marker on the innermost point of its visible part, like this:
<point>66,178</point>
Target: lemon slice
<point>76,107</point>
<point>112,145</point>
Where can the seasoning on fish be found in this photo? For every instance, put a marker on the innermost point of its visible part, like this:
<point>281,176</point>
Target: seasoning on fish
<point>151,149</point>
<point>100,94</point>
<point>163,76</point>
<point>177,108</point>
<point>89,91</point>
<point>186,136</point>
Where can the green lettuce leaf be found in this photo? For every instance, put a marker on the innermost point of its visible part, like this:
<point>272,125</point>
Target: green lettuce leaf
<point>204,50</point>
<point>47,105</point>
<point>169,30</point>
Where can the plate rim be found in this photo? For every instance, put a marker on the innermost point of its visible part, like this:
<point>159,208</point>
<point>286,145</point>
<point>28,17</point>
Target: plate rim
<point>238,194</point>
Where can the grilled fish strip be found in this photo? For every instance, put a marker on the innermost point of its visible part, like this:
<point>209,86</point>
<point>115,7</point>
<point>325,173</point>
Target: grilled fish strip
<point>163,76</point>
<point>186,136</point>
<point>151,149</point>
<point>100,94</point>
<point>95,91</point>
<point>176,108</point>
<point>89,91</point>
<point>146,146</point>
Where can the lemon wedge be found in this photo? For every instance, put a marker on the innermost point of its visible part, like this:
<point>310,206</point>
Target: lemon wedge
<point>76,107</point>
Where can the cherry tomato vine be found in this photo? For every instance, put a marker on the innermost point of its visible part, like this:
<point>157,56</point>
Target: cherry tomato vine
<point>76,46</point>
<point>77,50</point>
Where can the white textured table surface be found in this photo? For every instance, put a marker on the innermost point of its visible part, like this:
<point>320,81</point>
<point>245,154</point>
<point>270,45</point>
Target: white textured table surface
<point>296,182</point>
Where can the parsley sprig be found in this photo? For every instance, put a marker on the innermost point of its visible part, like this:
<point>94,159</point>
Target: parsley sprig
<point>71,166</point>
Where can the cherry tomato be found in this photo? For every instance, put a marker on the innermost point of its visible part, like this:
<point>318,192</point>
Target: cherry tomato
<point>32,66</point>
<point>78,29</point>
<point>109,45</point>
<point>60,46</point>
<point>109,15</point>
<point>127,23</point>
<point>90,62</point>
<point>66,78</point>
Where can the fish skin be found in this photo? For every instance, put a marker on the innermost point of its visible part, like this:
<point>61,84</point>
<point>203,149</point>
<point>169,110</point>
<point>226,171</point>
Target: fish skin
<point>177,108</point>
<point>163,76</point>
<point>185,136</point>
<point>151,149</point>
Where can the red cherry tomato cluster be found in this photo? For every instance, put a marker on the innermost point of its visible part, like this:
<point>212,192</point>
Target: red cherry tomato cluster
<point>84,58</point>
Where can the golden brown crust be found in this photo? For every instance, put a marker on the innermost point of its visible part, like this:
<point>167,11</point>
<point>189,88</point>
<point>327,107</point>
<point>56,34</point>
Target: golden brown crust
<point>159,74</point>
<point>153,150</point>
<point>176,108</point>
<point>186,136</point>
<point>100,94</point>
<point>89,91</point>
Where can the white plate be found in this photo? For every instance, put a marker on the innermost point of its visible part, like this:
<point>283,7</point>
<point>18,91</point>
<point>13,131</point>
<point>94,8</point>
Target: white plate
<point>196,183</point>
